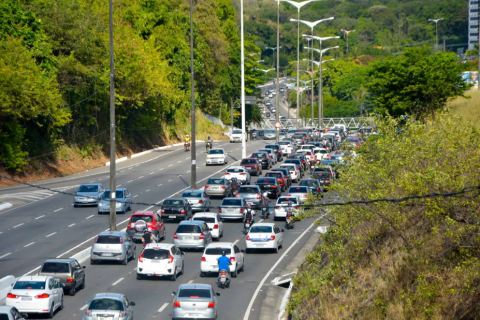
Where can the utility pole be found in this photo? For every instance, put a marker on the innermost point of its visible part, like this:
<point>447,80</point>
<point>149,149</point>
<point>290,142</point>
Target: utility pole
<point>231,115</point>
<point>193,149</point>
<point>277,95</point>
<point>113,167</point>
<point>242,89</point>
<point>436,30</point>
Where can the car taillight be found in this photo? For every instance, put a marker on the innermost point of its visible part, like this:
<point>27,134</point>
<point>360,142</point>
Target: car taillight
<point>43,296</point>
<point>215,226</point>
<point>202,236</point>
<point>206,187</point>
<point>129,226</point>
<point>272,238</point>
<point>182,212</point>
<point>243,174</point>
<point>357,144</point>
<point>241,210</point>
<point>121,240</point>
<point>328,156</point>
<point>204,259</point>
<point>96,239</point>
<point>232,258</point>
<point>162,211</point>
<point>170,258</point>
<point>256,167</point>
<point>331,174</point>
<point>274,187</point>
<point>12,296</point>
<point>297,208</point>
<point>223,187</point>
<point>140,257</point>
<point>237,195</point>
<point>277,207</point>
<point>305,195</point>
<point>176,304</point>
<point>327,180</point>
<point>219,210</point>
<point>259,196</point>
<point>69,279</point>
<point>303,161</point>
<point>248,238</point>
<point>302,141</point>
<point>200,201</point>
<point>88,313</point>
<point>318,189</point>
<point>227,173</point>
<point>298,167</point>
<point>296,173</point>
<point>151,225</point>
<point>289,195</point>
<point>211,304</point>
<point>175,236</point>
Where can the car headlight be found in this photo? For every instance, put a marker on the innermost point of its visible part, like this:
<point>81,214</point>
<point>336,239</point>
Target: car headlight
<point>119,204</point>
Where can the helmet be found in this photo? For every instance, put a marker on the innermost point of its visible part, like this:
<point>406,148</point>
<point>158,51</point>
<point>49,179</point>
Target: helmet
<point>234,179</point>
<point>188,136</point>
<point>289,203</point>
<point>208,137</point>
<point>249,205</point>
<point>224,253</point>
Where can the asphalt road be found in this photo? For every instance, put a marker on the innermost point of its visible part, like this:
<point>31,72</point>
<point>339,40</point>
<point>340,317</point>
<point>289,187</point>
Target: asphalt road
<point>52,227</point>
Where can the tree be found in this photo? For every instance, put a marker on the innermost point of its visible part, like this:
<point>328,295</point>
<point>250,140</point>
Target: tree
<point>416,82</point>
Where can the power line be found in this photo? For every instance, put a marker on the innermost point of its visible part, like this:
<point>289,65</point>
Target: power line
<point>73,105</point>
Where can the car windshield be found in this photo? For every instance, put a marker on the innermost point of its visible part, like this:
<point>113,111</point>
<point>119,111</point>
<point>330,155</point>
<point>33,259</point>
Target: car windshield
<point>216,181</point>
<point>353,140</point>
<point>282,170</point>
<point>321,151</point>
<point>274,174</point>
<point>297,136</point>
<point>265,181</point>
<point>259,155</point>
<point>286,200</point>
<point>248,190</point>
<point>108,239</point>
<point>292,131</point>
<point>55,267</point>
<point>216,151</point>
<point>322,174</point>
<point>173,202</point>
<point>270,131</point>
<point>248,161</point>
<point>283,143</point>
<point>137,217</point>
<point>188,228</point>
<point>298,190</point>
<point>271,146</point>
<point>118,194</point>
<point>205,219</point>
<point>309,183</point>
<point>260,229</point>
<point>265,150</point>
<point>217,251</point>
<point>30,285</point>
<point>236,170</point>
<point>292,161</point>
<point>88,189</point>
<point>106,304</point>
<point>156,254</point>
<point>192,194</point>
<point>237,131</point>
<point>231,202</point>
<point>194,293</point>
<point>4,316</point>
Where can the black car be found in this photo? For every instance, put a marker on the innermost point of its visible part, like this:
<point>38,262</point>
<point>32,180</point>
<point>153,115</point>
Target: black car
<point>276,148</point>
<point>313,184</point>
<point>68,271</point>
<point>263,158</point>
<point>176,209</point>
<point>302,159</point>
<point>271,186</point>
<point>323,176</point>
<point>299,139</point>
<point>285,174</point>
<point>298,163</point>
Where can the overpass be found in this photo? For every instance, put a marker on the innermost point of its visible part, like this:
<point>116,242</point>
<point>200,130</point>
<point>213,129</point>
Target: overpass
<point>351,122</point>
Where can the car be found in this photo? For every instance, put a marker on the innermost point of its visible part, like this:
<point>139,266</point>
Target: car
<point>113,246</point>
<point>197,199</point>
<point>192,235</point>
<point>286,175</point>
<point>213,221</point>
<point>109,306</point>
<point>209,260</point>
<point>305,136</point>
<point>267,114</point>
<point>160,259</point>
<point>218,187</point>
<point>291,132</point>
<point>299,166</point>
<point>321,153</point>
<point>299,139</point>
<point>281,207</point>
<point>326,166</point>
<point>238,172</point>
<point>217,156</point>
<point>263,236</point>
<point>276,149</point>
<point>293,174</point>
<point>301,157</point>
<point>309,147</point>
<point>264,159</point>
<point>153,222</point>
<point>68,271</point>
<point>308,154</point>
<point>337,156</point>
<point>175,209</point>
<point>252,165</point>
<point>88,194</point>
<point>324,177</point>
<point>354,141</point>
<point>300,192</point>
<point>252,195</point>
<point>236,135</point>
<point>271,153</point>
<point>270,187</point>
<point>270,134</point>
<point>286,146</point>
<point>123,200</point>
<point>36,294</point>
<point>280,178</point>
<point>232,208</point>
<point>11,313</point>
<point>314,184</point>
<point>195,301</point>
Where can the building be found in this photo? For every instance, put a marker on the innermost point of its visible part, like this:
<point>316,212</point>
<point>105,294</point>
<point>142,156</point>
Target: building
<point>472,23</point>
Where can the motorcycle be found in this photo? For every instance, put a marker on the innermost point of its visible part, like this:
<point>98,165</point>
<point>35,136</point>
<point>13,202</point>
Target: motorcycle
<point>312,165</point>
<point>208,146</point>
<point>223,279</point>
<point>246,225</point>
<point>186,146</point>
<point>266,211</point>
<point>289,220</point>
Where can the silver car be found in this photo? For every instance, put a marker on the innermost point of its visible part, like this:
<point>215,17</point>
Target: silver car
<point>232,208</point>
<point>123,201</point>
<point>253,195</point>
<point>112,306</point>
<point>88,194</point>
<point>270,134</point>
<point>198,199</point>
<point>192,235</point>
<point>270,152</point>
<point>195,301</point>
<point>113,246</point>
<point>219,187</point>
<point>299,192</point>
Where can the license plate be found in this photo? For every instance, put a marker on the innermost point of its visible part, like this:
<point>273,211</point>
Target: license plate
<point>187,238</point>
<point>194,314</point>
<point>84,201</point>
<point>259,244</point>
<point>26,298</point>
<point>248,169</point>
<point>155,261</point>
<point>172,217</point>
<point>214,266</point>
<point>107,254</point>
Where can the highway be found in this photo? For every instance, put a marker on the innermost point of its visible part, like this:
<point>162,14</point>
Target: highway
<point>52,227</point>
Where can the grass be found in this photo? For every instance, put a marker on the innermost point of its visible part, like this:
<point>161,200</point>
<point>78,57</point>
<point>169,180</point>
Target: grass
<point>468,109</point>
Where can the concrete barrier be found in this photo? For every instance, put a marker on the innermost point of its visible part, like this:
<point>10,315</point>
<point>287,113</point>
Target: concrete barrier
<point>117,161</point>
<point>4,206</point>
<point>5,286</point>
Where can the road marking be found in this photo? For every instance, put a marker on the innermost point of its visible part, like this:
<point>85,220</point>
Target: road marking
<point>140,177</point>
<point>39,217</point>
<point>84,307</point>
<point>260,221</point>
<point>89,217</point>
<point>179,161</point>
<point>236,241</point>
<point>58,210</point>
<point>161,184</point>
<point>129,181</point>
<point>165,305</point>
<point>160,169</point>
<point>170,165</point>
<point>51,234</point>
<point>18,225</point>
<point>169,180</point>
<point>117,282</point>
<point>148,190</point>
<point>28,245</point>
<point>119,185</point>
<point>188,171</point>
<point>250,305</point>
<point>151,172</point>
<point>191,281</point>
<point>120,171</point>
<point>7,254</point>
<point>135,196</point>
<point>71,225</point>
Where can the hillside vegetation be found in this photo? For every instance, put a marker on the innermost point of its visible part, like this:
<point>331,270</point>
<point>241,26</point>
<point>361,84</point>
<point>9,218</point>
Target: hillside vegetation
<point>468,107</point>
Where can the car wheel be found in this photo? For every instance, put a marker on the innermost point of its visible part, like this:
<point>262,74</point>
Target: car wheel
<point>276,250</point>
<point>82,286</point>
<point>125,261</point>
<point>72,291</point>
<point>183,268</point>
<point>134,255</point>
<point>51,312</point>
<point>235,273</point>
<point>92,262</point>
<point>202,274</point>
<point>173,277</point>
<point>61,304</point>
<point>139,276</point>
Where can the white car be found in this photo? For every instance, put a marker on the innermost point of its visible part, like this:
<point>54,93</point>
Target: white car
<point>238,172</point>
<point>307,152</point>
<point>321,154</point>
<point>213,222</point>
<point>36,294</point>
<point>11,313</point>
<point>294,174</point>
<point>282,204</point>
<point>217,156</point>
<point>160,259</point>
<point>236,135</point>
<point>209,261</point>
<point>286,147</point>
<point>264,236</point>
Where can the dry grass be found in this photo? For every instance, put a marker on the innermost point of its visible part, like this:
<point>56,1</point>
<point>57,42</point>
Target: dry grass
<point>468,109</point>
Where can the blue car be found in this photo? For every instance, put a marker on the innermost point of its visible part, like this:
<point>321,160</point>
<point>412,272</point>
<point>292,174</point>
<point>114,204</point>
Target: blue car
<point>123,201</point>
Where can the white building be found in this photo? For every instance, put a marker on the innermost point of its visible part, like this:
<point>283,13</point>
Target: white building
<point>472,23</point>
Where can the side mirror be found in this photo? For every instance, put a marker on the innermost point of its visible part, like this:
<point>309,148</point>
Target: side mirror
<point>283,230</point>
<point>173,293</point>
<point>84,267</point>
<point>62,285</point>
<point>242,250</point>
<point>24,315</point>
<point>86,302</point>
<point>217,294</point>
<point>132,304</point>
<point>211,229</point>
<point>183,253</point>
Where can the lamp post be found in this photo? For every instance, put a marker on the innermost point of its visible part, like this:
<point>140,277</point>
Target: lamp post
<point>113,192</point>
<point>193,148</point>
<point>242,94</point>
<point>347,32</point>
<point>436,29</point>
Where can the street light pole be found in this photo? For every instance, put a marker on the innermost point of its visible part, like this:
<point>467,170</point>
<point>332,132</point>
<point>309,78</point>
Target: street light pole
<point>278,70</point>
<point>113,191</point>
<point>242,67</point>
<point>193,149</point>
<point>436,30</point>
<point>347,32</point>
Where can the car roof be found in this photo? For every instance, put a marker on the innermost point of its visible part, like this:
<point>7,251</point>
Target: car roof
<point>190,190</point>
<point>272,172</point>
<point>66,260</point>
<point>205,214</point>
<point>180,199</point>
<point>143,213</point>
<point>250,158</point>
<point>218,149</point>
<point>90,184</point>
<point>195,286</point>
<point>112,233</point>
<point>232,198</point>
<point>199,223</point>
<point>249,186</point>
<point>118,189</point>
<point>270,224</point>
<point>220,244</point>
<point>33,278</point>
<point>161,245</point>
<point>116,296</point>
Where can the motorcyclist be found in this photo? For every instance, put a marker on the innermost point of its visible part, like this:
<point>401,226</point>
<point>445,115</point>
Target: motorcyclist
<point>290,211</point>
<point>187,141</point>
<point>235,184</point>
<point>249,212</point>
<point>148,237</point>
<point>209,141</point>
<point>224,264</point>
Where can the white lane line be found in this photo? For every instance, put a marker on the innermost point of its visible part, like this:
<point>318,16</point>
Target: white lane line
<point>249,308</point>
<point>165,305</point>
<point>120,171</point>
<point>160,169</point>
<point>7,254</point>
<point>89,217</point>
<point>39,217</point>
<point>148,190</point>
<point>28,245</point>
<point>260,221</point>
<point>188,171</point>
<point>18,225</point>
<point>117,282</point>
<point>140,177</point>
<point>191,281</point>
<point>236,241</point>
<point>119,185</point>
<point>51,234</point>
<point>170,165</point>
<point>135,196</point>
<point>58,210</point>
<point>84,307</point>
<point>151,172</point>
<point>179,161</point>
<point>71,225</point>
<point>161,184</point>
<point>169,180</point>
<point>129,181</point>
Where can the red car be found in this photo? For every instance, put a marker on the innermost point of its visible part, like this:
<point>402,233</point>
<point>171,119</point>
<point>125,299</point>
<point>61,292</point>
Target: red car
<point>252,165</point>
<point>154,224</point>
<point>279,176</point>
